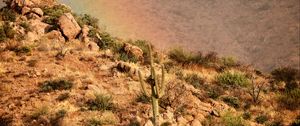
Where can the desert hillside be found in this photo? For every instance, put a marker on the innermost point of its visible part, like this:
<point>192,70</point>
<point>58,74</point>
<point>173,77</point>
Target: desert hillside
<point>59,68</point>
<point>264,33</point>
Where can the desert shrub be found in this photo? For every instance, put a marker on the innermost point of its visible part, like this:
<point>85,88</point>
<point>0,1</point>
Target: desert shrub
<point>183,57</point>
<point>22,50</point>
<point>101,102</point>
<point>230,78</point>
<point>194,79</point>
<point>290,99</point>
<point>107,118</point>
<point>8,14</point>
<point>215,92</point>
<point>228,62</point>
<point>48,86</point>
<point>26,26</point>
<point>275,123</point>
<point>246,115</point>
<point>55,121</point>
<point>86,19</point>
<point>127,58</point>
<point>296,122</point>
<point>6,31</point>
<point>32,63</point>
<point>261,119</point>
<point>39,112</point>
<point>288,75</point>
<point>63,96</point>
<point>53,13</point>
<point>6,120</point>
<point>143,98</point>
<point>107,41</point>
<point>229,119</point>
<point>232,101</point>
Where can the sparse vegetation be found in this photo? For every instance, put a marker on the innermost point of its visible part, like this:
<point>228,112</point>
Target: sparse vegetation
<point>53,13</point>
<point>261,119</point>
<point>229,119</point>
<point>26,26</point>
<point>63,96</point>
<point>194,79</point>
<point>232,101</point>
<point>6,32</point>
<point>86,19</point>
<point>186,58</point>
<point>143,98</point>
<point>107,118</point>
<point>231,78</point>
<point>247,115</point>
<point>287,75</point>
<point>290,99</point>
<point>101,102</point>
<point>39,112</point>
<point>8,14</point>
<point>51,85</point>
<point>55,121</point>
<point>296,122</point>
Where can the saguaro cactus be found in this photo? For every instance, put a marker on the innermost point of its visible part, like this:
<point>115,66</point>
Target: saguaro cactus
<point>157,87</point>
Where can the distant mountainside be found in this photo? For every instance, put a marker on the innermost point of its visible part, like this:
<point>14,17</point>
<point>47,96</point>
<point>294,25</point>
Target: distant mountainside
<point>264,33</point>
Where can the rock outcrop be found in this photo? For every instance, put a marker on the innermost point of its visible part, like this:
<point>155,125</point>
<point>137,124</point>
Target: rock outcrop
<point>69,26</point>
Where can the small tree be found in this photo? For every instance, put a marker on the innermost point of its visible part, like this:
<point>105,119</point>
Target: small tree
<point>256,89</point>
<point>157,88</point>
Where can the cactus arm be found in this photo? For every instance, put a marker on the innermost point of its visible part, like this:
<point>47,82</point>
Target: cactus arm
<point>142,84</point>
<point>162,83</point>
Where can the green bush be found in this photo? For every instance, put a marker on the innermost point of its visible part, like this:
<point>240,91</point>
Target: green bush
<point>53,13</point>
<point>22,50</point>
<point>55,121</point>
<point>48,86</point>
<point>290,99</point>
<point>233,79</point>
<point>183,57</point>
<point>86,19</point>
<point>6,31</point>
<point>194,80</point>
<point>232,101</point>
<point>247,115</point>
<point>288,75</point>
<point>8,14</point>
<point>229,119</point>
<point>228,62</point>
<point>101,102</point>
<point>127,58</point>
<point>26,26</point>
<point>261,119</point>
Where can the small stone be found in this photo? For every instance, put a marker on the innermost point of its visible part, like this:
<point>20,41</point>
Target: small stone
<point>182,120</point>
<point>149,123</point>
<point>215,113</point>
<point>196,123</point>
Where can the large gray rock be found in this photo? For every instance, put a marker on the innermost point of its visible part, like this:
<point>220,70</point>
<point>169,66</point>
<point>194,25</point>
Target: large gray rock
<point>69,26</point>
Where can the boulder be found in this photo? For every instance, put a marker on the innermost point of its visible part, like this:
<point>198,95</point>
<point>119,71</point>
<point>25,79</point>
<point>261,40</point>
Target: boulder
<point>19,3</point>
<point>84,33</point>
<point>69,26</point>
<point>25,10</point>
<point>133,50</point>
<point>55,35</point>
<point>196,123</point>
<point>38,11</point>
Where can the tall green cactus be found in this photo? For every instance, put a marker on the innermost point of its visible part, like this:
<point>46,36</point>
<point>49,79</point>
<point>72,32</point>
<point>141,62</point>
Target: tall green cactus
<point>157,88</point>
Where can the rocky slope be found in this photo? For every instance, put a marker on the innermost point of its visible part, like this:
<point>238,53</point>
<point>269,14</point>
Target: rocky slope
<point>59,68</point>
